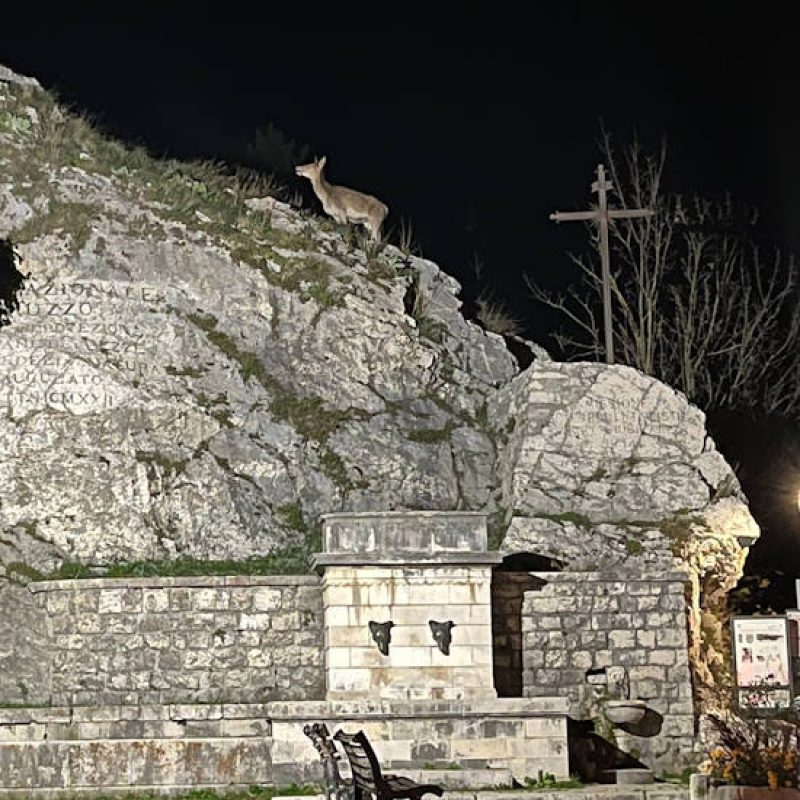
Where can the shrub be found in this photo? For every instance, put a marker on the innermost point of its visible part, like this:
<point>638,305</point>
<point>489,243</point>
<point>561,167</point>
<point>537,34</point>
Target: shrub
<point>756,747</point>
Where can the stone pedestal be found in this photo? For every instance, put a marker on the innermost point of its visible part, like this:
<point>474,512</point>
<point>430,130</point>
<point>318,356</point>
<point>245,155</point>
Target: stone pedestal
<point>408,568</point>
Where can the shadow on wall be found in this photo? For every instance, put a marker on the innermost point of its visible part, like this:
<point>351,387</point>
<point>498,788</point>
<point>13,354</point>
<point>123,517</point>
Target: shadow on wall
<point>649,725</point>
<point>11,281</point>
<point>590,754</point>
<point>510,580</point>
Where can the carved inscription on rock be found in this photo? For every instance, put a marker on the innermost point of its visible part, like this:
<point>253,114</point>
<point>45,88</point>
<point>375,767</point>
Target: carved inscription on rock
<point>78,346</point>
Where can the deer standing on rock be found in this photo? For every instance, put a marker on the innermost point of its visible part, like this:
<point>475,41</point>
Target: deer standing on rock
<point>344,205</point>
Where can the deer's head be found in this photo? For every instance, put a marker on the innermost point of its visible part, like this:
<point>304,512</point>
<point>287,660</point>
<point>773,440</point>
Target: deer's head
<point>442,634</point>
<point>311,171</point>
<point>382,635</point>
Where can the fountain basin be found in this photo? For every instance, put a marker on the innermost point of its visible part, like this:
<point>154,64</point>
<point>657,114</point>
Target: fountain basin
<point>619,712</point>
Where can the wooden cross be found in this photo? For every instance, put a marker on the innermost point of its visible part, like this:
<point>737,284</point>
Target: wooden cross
<point>601,215</point>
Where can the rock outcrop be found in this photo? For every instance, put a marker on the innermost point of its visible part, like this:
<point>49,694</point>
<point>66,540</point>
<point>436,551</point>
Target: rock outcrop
<point>197,369</point>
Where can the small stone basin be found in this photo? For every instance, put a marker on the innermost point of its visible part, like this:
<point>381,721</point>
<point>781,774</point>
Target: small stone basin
<point>625,711</point>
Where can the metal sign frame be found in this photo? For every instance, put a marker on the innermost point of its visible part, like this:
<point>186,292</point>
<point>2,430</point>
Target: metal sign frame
<point>771,627</point>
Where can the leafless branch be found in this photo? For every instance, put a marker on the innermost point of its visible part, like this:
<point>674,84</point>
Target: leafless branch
<point>695,303</point>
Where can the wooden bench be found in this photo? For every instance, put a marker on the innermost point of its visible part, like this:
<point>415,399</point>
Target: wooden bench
<point>367,775</point>
<point>335,788</point>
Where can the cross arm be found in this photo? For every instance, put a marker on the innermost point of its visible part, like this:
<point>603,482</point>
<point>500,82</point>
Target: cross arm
<point>568,216</point>
<point>633,213</point>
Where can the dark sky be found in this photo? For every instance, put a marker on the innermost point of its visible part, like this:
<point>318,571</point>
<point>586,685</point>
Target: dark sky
<point>473,124</point>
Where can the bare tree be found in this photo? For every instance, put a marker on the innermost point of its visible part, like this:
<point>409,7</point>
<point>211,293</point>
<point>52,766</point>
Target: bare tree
<point>696,302</point>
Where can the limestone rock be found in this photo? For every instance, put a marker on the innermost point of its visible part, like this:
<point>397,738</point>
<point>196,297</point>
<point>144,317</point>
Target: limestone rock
<point>197,370</point>
<point>603,459</point>
<point>179,376</point>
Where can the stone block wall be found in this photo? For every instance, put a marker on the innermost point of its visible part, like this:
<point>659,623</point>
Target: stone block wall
<point>508,594</point>
<point>581,621</point>
<point>168,747</point>
<point>176,640</point>
<point>410,597</point>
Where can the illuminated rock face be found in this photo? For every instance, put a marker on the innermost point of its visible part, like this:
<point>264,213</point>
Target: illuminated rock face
<point>196,372</point>
<point>607,467</point>
<point>389,575</point>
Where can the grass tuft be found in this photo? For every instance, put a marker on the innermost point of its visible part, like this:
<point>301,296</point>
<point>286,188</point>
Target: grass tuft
<point>494,317</point>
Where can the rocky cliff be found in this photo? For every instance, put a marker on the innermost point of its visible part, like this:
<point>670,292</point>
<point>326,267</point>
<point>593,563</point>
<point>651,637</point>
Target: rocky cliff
<point>194,369</point>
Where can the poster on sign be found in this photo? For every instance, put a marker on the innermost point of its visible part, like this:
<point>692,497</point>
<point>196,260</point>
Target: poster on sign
<point>761,661</point>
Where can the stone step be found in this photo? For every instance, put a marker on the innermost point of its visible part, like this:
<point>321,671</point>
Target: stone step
<point>460,778</point>
<point>627,777</point>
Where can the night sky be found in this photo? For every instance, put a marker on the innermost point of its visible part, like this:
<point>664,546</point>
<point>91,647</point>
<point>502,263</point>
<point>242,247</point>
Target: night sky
<point>473,125</point>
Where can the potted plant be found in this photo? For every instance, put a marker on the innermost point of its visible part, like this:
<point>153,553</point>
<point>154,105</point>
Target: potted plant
<point>755,754</point>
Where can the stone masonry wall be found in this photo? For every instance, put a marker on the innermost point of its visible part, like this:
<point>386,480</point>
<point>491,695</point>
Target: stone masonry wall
<point>410,597</point>
<point>183,640</point>
<point>167,747</point>
<point>579,621</point>
<point>508,594</point>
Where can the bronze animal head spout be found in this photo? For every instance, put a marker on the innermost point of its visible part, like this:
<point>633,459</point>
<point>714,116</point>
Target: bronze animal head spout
<point>382,635</point>
<point>442,634</point>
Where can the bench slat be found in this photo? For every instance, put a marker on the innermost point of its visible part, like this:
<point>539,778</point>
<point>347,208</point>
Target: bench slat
<point>367,772</point>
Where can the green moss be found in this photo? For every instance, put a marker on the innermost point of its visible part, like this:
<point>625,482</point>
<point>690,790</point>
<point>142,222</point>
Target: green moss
<point>497,526</point>
<point>216,407</point>
<point>15,124</point>
<point>679,530</point>
<point>308,415</point>
<point>334,467</point>
<point>281,562</point>
<point>430,328</point>
<point>325,297</point>
<point>167,465</point>
<point>447,367</point>
<point>598,474</point>
<point>633,547</point>
<point>482,416</point>
<point>20,570</point>
<point>681,777</point>
<point>572,517</point>
<point>627,464</point>
<point>74,219</point>
<point>31,528</point>
<point>546,780</point>
<point>248,364</point>
<point>66,571</point>
<point>432,435</point>
<point>70,570</point>
<point>291,515</point>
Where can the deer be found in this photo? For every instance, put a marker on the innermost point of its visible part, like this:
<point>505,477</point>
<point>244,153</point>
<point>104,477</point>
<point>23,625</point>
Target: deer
<point>343,204</point>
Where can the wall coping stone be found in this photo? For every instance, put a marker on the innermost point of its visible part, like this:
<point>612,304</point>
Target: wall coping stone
<point>405,559</point>
<point>290,710</point>
<point>391,533</point>
<point>345,515</point>
<point>199,582</point>
<point>614,577</point>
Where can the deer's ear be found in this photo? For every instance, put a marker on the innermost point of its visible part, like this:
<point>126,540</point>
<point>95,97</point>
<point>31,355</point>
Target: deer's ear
<point>322,161</point>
